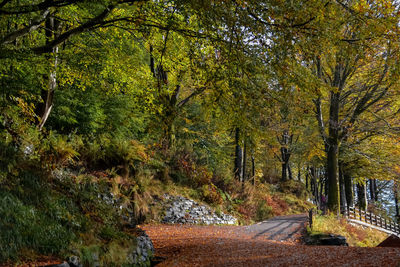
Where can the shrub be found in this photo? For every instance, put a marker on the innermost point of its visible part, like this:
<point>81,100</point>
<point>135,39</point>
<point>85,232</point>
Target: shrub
<point>278,205</point>
<point>55,151</point>
<point>263,211</point>
<point>247,210</point>
<point>294,187</point>
<point>211,194</point>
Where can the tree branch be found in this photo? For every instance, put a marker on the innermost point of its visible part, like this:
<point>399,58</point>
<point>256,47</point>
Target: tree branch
<point>320,119</point>
<point>98,20</point>
<point>21,32</point>
<point>38,7</point>
<point>195,93</point>
<point>4,2</point>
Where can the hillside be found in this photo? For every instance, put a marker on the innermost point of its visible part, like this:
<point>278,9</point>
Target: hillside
<point>94,215</point>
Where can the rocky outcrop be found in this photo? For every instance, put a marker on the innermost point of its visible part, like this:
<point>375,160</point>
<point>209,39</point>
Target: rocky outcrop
<point>144,251</point>
<point>140,256</point>
<point>186,211</point>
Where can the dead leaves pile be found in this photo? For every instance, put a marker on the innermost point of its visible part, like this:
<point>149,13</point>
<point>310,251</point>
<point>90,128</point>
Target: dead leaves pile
<point>183,245</point>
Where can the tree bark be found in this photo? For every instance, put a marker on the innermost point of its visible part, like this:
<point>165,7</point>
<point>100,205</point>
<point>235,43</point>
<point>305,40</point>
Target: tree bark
<point>314,185</point>
<point>372,192</point>
<point>332,153</point>
<point>375,190</point>
<point>47,93</point>
<point>342,188</point>
<point>396,201</point>
<point>307,175</point>
<point>284,171</point>
<point>285,142</point>
<point>321,190</point>
<point>244,162</point>
<point>348,187</point>
<point>238,156</point>
<point>299,174</point>
<point>362,196</point>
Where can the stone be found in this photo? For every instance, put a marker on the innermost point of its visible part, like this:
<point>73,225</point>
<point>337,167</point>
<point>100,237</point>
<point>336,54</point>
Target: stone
<point>183,210</point>
<point>144,251</point>
<point>74,261</point>
<point>326,240</point>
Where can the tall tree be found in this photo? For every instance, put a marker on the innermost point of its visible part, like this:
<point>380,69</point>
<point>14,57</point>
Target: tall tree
<point>355,72</point>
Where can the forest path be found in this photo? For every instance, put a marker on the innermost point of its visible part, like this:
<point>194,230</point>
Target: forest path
<point>194,245</point>
<point>280,228</point>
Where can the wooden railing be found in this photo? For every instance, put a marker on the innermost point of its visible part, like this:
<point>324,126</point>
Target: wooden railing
<point>365,217</point>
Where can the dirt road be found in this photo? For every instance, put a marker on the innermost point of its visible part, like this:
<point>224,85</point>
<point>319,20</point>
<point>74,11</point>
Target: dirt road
<point>282,228</point>
<point>271,243</point>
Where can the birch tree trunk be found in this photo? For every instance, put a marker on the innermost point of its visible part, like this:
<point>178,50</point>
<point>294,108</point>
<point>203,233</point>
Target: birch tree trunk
<point>47,93</point>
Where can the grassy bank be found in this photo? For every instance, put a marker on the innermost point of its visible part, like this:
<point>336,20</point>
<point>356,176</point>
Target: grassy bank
<point>356,236</point>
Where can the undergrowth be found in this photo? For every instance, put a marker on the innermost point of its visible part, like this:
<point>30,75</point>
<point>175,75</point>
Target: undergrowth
<point>56,195</point>
<point>356,236</point>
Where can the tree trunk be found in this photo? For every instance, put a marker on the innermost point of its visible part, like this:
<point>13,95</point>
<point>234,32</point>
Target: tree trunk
<point>362,196</point>
<point>289,171</point>
<point>238,156</point>
<point>342,189</point>
<point>332,153</point>
<point>323,173</point>
<point>375,190</point>
<point>285,142</point>
<point>372,192</point>
<point>396,201</point>
<point>244,162</point>
<point>307,174</point>
<point>284,171</point>
<point>298,174</point>
<point>47,93</point>
<point>348,187</point>
<point>314,185</point>
<point>321,194</point>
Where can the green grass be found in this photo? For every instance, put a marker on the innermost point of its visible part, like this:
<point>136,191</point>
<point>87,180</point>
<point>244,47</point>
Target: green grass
<point>356,236</point>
